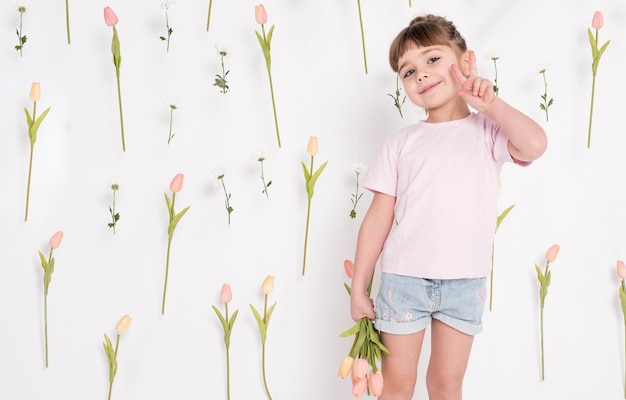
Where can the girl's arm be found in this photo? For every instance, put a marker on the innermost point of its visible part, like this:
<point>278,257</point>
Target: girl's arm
<point>527,139</point>
<point>372,235</point>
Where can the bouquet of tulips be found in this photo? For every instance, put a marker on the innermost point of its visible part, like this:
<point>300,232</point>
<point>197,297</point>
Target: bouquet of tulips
<point>366,349</point>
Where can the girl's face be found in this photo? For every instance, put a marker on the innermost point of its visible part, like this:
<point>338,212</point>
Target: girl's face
<point>428,80</point>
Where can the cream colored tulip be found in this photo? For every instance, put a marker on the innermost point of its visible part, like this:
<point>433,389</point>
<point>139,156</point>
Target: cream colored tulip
<point>268,285</point>
<point>123,324</point>
<point>345,367</point>
<point>311,147</point>
<point>35,91</point>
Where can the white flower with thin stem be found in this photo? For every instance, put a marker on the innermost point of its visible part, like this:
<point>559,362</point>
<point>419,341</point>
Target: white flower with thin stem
<point>396,97</point>
<point>545,103</point>
<point>21,39</point>
<point>172,105</point>
<point>220,80</point>
<point>166,6</point>
<point>494,58</point>
<point>260,157</point>
<point>358,169</point>
<point>219,180</point>
<point>115,216</point>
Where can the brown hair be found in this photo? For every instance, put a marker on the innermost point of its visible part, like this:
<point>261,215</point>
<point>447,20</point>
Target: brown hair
<point>426,30</point>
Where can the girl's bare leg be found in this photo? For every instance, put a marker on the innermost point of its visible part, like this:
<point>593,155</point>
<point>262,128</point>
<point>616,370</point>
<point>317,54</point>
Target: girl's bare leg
<point>400,368</point>
<point>450,351</point>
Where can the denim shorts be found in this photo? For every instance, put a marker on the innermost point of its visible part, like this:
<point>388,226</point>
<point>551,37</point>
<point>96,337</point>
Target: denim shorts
<point>407,304</point>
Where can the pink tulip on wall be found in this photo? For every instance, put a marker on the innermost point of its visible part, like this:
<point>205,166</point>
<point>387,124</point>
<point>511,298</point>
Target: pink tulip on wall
<point>48,268</point>
<point>228,322</point>
<point>110,19</point>
<point>597,22</point>
<point>544,278</point>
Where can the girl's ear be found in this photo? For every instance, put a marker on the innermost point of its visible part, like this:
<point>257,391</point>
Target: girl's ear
<point>464,63</point>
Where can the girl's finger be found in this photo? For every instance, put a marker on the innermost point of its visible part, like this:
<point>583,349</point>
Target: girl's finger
<point>472,64</point>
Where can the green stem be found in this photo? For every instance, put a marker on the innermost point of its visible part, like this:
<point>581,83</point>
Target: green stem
<point>19,36</point>
<point>269,74</point>
<point>593,90</point>
<point>208,19</point>
<point>171,123</point>
<point>119,100</point>
<point>167,268</point>
<point>624,355</point>
<point>542,349</point>
<point>67,20</point>
<point>45,316</point>
<point>227,355</point>
<point>30,168</point>
<point>167,26</point>
<point>227,201</point>
<point>113,213</point>
<point>306,229</point>
<point>267,390</point>
<point>117,343</point>
<point>362,36</point>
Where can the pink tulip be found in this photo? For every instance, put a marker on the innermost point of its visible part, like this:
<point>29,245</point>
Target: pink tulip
<point>55,240</point>
<point>359,387</point>
<point>376,383</point>
<point>552,252</point>
<point>260,15</point>
<point>109,17</point>
<point>348,266</point>
<point>597,22</point>
<point>359,370</point>
<point>621,269</point>
<point>177,183</point>
<point>268,284</point>
<point>227,294</point>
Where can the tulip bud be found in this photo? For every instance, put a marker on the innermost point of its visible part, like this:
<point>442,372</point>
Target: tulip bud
<point>123,324</point>
<point>227,294</point>
<point>35,91</point>
<point>260,15</point>
<point>345,367</point>
<point>597,21</point>
<point>621,269</point>
<point>348,266</point>
<point>109,17</point>
<point>359,387</point>
<point>360,368</point>
<point>311,147</point>
<point>552,252</point>
<point>177,183</point>
<point>268,285</point>
<point>55,240</point>
<point>376,384</point>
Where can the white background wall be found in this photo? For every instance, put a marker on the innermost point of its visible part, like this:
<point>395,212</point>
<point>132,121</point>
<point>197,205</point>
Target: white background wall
<point>572,196</point>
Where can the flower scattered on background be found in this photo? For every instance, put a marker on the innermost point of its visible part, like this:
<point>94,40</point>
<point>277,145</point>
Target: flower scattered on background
<point>220,80</point>
<point>115,216</point>
<point>366,349</point>
<point>173,107</point>
<point>219,180</point>
<point>120,328</point>
<point>621,274</point>
<point>33,123</point>
<point>208,18</point>
<point>67,20</point>
<point>545,104</point>
<point>310,178</point>
<point>48,269</point>
<point>267,288</point>
<point>261,157</point>
<point>356,196</point>
<point>166,6</point>
<point>362,36</point>
<point>544,281</point>
<point>175,186</point>
<point>261,18</point>
<point>226,296</point>
<point>396,98</point>
<point>110,19</point>
<point>597,23</point>
<point>499,220</point>
<point>496,88</point>
<point>21,39</point>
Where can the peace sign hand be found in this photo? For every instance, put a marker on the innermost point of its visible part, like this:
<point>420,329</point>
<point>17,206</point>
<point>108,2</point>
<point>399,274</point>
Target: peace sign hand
<point>476,91</point>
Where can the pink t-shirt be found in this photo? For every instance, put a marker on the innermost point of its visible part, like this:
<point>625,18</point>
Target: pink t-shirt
<point>445,180</point>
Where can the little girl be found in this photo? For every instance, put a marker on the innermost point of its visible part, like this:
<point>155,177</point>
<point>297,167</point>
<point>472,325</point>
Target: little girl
<point>438,181</point>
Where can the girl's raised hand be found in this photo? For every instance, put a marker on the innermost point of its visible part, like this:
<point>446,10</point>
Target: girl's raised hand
<point>476,91</point>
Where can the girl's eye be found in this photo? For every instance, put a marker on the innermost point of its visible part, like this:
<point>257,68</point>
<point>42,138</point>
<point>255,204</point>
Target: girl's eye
<point>432,60</point>
<point>409,73</point>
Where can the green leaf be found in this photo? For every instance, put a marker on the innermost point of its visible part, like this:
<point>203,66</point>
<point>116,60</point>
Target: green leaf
<point>351,331</point>
<point>269,314</point>
<point>313,180</point>
<point>44,262</point>
<point>592,42</point>
<point>539,274</point>
<point>503,215</point>
<point>29,119</point>
<point>269,36</point>
<point>348,288</point>
<point>174,222</point>
<point>231,323</point>
<point>222,319</point>
<point>259,321</point>
<point>32,131</point>
<point>307,175</point>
